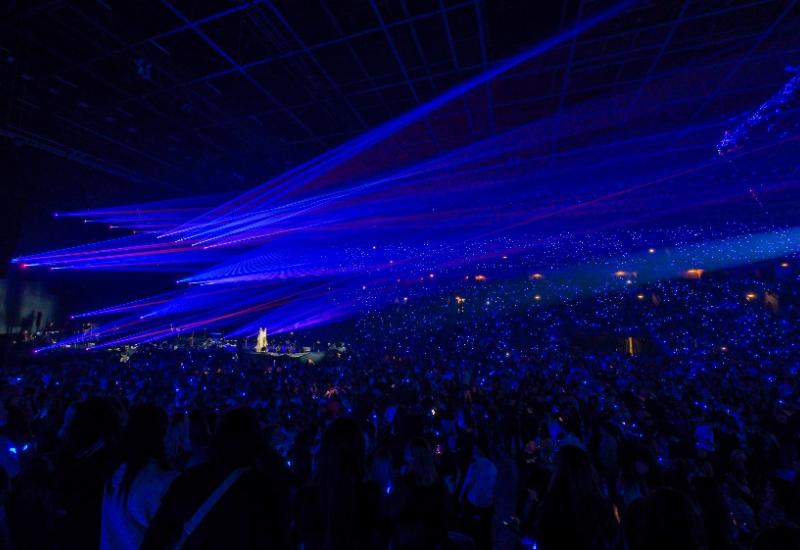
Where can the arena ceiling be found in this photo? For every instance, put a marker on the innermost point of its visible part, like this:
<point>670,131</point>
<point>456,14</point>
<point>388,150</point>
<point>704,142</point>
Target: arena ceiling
<point>197,95</point>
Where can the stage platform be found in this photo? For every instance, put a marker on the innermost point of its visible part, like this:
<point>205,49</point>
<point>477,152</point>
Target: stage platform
<point>258,357</point>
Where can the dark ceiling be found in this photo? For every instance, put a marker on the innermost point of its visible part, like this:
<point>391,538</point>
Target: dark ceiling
<point>113,101</point>
<point>171,92</point>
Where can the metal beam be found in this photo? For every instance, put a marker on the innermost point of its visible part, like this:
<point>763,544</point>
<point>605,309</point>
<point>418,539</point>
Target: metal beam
<point>238,68</point>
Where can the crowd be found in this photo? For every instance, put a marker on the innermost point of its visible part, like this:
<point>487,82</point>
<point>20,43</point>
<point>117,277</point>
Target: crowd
<point>641,417</point>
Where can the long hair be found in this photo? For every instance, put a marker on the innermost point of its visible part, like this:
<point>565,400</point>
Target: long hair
<point>670,521</point>
<point>340,474</point>
<point>574,498</point>
<point>90,425</point>
<point>237,440</point>
<point>575,478</point>
<point>420,460</point>
<point>143,440</point>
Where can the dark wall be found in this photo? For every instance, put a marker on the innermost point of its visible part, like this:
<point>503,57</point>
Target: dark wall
<point>35,184</point>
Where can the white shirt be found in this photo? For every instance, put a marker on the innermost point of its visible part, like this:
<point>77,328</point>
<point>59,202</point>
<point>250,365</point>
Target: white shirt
<point>125,520</point>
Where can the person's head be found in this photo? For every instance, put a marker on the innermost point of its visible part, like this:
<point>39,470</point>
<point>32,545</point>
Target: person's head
<point>574,512</point>
<point>574,477</point>
<point>89,426</point>
<point>420,462</point>
<point>237,440</point>
<point>480,449</point>
<point>143,440</point>
<point>342,451</point>
<point>666,520</point>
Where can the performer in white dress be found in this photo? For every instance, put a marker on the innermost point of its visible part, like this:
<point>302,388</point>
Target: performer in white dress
<point>261,340</point>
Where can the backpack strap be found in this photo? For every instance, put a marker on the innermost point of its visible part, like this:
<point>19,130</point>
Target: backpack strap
<point>197,518</point>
